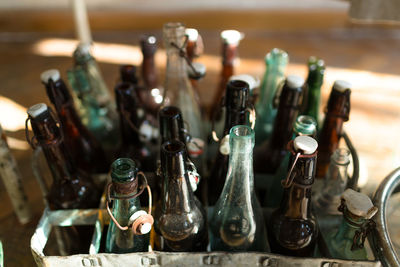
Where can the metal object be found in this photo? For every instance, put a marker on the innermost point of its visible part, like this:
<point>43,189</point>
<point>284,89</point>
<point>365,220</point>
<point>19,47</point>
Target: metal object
<point>382,244</point>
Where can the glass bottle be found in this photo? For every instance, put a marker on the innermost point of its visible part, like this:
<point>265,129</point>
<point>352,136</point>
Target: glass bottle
<point>347,242</point>
<point>236,101</point>
<point>94,102</point>
<point>312,99</point>
<point>270,154</point>
<point>124,184</point>
<point>132,145</point>
<point>85,150</point>
<point>337,112</point>
<point>178,89</point>
<point>182,222</point>
<point>237,222</point>
<point>276,62</point>
<point>12,181</point>
<point>292,228</point>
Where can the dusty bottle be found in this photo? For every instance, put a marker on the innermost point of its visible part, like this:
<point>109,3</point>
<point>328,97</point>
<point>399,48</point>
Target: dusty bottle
<point>270,154</point>
<point>85,150</point>
<point>276,62</point>
<point>134,131</point>
<point>124,175</point>
<point>11,178</point>
<point>237,222</point>
<point>236,102</point>
<point>182,222</point>
<point>292,228</point>
<point>315,79</point>
<point>178,89</point>
<point>337,112</point>
<point>347,242</point>
<point>94,103</point>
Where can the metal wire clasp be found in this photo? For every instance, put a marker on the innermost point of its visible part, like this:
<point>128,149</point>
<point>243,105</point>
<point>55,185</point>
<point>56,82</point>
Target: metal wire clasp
<point>182,53</point>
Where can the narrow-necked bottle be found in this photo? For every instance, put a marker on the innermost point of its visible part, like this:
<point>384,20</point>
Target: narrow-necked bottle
<point>276,62</point>
<point>270,154</point>
<point>237,222</point>
<point>337,112</point>
<point>347,242</point>
<point>125,184</point>
<point>182,222</point>
<point>236,101</point>
<point>94,103</point>
<point>178,89</point>
<point>312,99</point>
<point>12,181</point>
<point>230,43</point>
<point>131,144</point>
<point>292,228</point>
<point>85,150</point>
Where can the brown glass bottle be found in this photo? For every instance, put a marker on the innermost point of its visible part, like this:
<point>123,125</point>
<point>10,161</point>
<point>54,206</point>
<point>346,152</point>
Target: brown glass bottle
<point>182,221</point>
<point>292,228</point>
<point>130,123</point>
<point>337,112</point>
<point>236,101</point>
<point>270,154</point>
<point>82,145</point>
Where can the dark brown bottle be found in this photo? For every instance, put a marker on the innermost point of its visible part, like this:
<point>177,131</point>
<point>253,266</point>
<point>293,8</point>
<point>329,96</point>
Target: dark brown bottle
<point>236,101</point>
<point>337,112</point>
<point>82,145</point>
<point>182,222</point>
<point>292,228</point>
<point>130,124</point>
<point>270,154</point>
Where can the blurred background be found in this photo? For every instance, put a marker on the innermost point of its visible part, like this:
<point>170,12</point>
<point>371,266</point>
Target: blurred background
<point>358,40</point>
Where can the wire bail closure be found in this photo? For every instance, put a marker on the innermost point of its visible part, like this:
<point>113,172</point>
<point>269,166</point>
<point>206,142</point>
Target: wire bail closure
<point>182,53</point>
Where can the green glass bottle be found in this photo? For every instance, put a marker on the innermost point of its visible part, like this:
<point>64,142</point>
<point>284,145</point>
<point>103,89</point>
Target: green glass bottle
<point>237,222</point>
<point>93,99</point>
<point>276,62</point>
<point>316,71</point>
<point>347,242</point>
<point>124,184</point>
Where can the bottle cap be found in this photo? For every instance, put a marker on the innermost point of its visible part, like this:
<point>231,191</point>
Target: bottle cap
<point>249,79</point>
<point>53,74</point>
<point>192,34</point>
<point>36,110</point>
<point>359,204</point>
<point>341,85</point>
<point>294,81</point>
<point>232,36</point>
<point>306,144</point>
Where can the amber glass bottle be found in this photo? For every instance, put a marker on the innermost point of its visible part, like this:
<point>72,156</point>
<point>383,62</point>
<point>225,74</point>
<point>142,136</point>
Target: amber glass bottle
<point>337,112</point>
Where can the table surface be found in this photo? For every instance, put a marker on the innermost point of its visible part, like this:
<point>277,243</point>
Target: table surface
<point>31,42</point>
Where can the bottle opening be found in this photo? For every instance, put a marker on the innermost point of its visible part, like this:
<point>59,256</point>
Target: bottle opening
<point>342,156</point>
<point>238,84</point>
<point>241,130</point>
<point>124,86</point>
<point>169,111</point>
<point>123,169</point>
<point>173,147</point>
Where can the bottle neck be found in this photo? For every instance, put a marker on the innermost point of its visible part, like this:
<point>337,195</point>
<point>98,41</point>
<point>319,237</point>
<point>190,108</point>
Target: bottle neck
<point>171,124</point>
<point>273,76</point>
<point>350,224</point>
<point>149,72</point>
<point>234,117</point>
<point>296,201</point>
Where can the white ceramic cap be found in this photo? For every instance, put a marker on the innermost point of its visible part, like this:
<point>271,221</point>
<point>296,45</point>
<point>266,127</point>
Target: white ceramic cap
<point>341,85</point>
<point>200,69</point>
<point>359,204</point>
<point>146,227</point>
<point>306,144</point>
<point>53,74</point>
<point>250,80</point>
<point>192,34</point>
<point>37,109</point>
<point>232,36</point>
<point>294,81</point>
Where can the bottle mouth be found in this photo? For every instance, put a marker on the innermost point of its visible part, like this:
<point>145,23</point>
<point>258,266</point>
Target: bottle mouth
<point>123,86</point>
<point>305,125</point>
<point>241,131</point>
<point>173,147</point>
<point>341,156</point>
<point>123,170</point>
<point>169,112</point>
<point>277,54</point>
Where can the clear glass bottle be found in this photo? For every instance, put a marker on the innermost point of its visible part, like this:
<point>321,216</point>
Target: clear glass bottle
<point>315,79</point>
<point>347,242</point>
<point>292,228</point>
<point>93,99</point>
<point>124,184</point>
<point>182,222</point>
<point>337,112</point>
<point>237,222</point>
<point>276,62</point>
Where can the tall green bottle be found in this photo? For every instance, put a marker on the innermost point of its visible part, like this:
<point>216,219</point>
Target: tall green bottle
<point>316,71</point>
<point>125,184</point>
<point>347,242</point>
<point>237,222</point>
<point>276,62</point>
